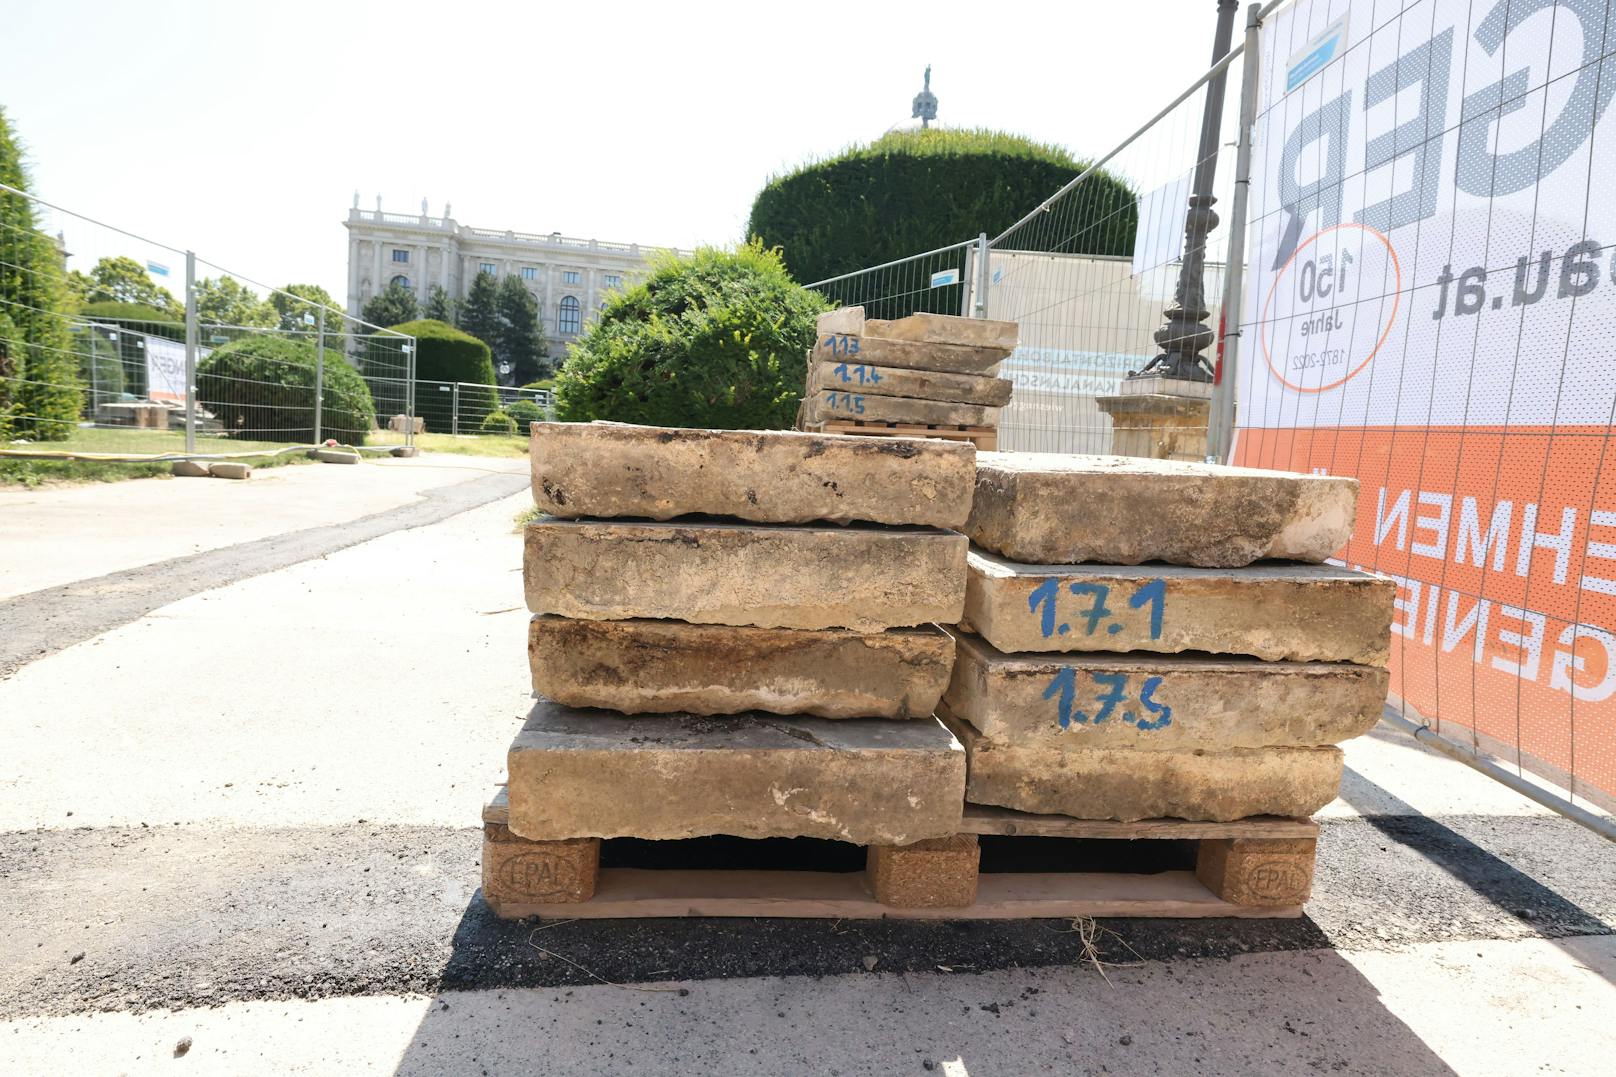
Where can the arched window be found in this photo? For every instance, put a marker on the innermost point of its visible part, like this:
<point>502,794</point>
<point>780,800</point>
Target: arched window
<point>401,280</point>
<point>571,315</point>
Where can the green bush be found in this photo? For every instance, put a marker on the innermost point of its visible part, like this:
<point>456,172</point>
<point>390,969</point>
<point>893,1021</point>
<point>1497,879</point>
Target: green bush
<point>262,388</point>
<point>915,191</point>
<point>524,412</point>
<point>498,422</point>
<point>100,366</point>
<point>719,339</point>
<point>443,355</point>
<point>12,355</point>
<point>542,383</point>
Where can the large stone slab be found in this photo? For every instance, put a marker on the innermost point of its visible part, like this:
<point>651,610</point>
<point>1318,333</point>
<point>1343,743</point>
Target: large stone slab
<point>908,354</point>
<point>640,666</point>
<point>1128,784</point>
<point>1284,610</point>
<point>614,469</point>
<point>916,384</point>
<point>927,328</point>
<point>826,405</point>
<point>1056,509</point>
<point>860,577</point>
<point>1160,702</point>
<point>581,773</point>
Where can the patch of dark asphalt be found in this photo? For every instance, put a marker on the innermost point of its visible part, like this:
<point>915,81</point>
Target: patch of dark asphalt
<point>169,916</point>
<point>43,622</point>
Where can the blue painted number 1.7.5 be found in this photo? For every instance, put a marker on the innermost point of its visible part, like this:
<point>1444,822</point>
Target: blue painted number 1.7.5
<point>1042,602</point>
<point>845,402</point>
<point>1063,689</point>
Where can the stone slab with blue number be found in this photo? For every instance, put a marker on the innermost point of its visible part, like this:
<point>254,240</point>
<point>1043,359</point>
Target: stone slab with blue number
<point>924,329</point>
<point>858,576</point>
<point>871,380</point>
<point>831,405</point>
<point>1160,702</point>
<point>1061,509</point>
<point>1128,784</point>
<point>1281,610</point>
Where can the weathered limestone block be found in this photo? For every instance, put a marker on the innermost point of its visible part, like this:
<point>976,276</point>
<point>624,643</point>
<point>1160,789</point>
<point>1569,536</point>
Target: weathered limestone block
<point>826,405</point>
<point>1257,871</point>
<point>859,577</point>
<point>908,354</point>
<point>582,773</point>
<point>189,469</point>
<point>930,328</point>
<point>1056,509</point>
<point>1160,702</point>
<point>228,469</point>
<point>334,456</point>
<point>937,874</point>
<point>517,871</point>
<point>915,384</point>
<point>1310,613</point>
<point>1127,784</point>
<point>639,666</point>
<point>614,469</point>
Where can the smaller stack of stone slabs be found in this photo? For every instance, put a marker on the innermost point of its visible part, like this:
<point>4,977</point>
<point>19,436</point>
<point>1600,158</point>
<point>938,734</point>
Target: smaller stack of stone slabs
<point>1178,673</point>
<point>926,369</point>
<point>727,625</point>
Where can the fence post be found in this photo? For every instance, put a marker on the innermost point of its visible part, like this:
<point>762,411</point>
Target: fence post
<point>454,410</point>
<point>319,375</point>
<point>1220,433</point>
<point>190,351</point>
<point>409,392</point>
<point>983,251</point>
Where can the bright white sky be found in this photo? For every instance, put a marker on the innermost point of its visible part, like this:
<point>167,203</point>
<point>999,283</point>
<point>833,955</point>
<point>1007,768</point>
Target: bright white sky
<point>242,129</point>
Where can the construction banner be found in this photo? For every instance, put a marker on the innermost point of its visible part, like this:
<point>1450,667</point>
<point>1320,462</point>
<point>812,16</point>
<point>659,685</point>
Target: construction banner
<point>1431,307</point>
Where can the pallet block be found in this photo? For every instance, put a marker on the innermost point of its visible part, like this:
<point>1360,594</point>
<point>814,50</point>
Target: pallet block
<point>1251,868</point>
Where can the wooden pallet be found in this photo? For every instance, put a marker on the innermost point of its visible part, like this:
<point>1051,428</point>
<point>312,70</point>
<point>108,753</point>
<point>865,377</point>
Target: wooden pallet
<point>1260,867</point>
<point>985,438</point>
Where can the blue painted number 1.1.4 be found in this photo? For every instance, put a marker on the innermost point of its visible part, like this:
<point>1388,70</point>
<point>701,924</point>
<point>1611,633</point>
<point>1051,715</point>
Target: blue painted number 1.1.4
<point>864,375</point>
<point>1042,602</point>
<point>1063,689</point>
<point>845,402</point>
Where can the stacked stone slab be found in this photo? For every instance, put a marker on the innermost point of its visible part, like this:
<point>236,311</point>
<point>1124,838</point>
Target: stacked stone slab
<point>1150,639</point>
<point>926,369</point>
<point>735,633</point>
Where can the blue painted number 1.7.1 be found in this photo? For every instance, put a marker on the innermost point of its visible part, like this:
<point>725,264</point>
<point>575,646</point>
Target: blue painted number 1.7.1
<point>1063,689</point>
<point>1042,602</point>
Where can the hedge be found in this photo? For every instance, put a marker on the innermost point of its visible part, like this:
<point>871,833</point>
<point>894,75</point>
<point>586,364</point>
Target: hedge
<point>262,388</point>
<point>498,422</point>
<point>444,354</point>
<point>524,412</point>
<point>915,191</point>
<point>718,339</point>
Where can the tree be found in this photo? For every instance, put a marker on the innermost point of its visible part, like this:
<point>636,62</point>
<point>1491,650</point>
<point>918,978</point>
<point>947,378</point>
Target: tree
<point>719,339</point>
<point>295,300</point>
<point>440,306</point>
<point>913,191</point>
<point>261,388</point>
<point>123,280</point>
<point>39,384</point>
<point>226,301</point>
<point>521,341</point>
<point>394,306</point>
<point>445,355</point>
<point>479,311</point>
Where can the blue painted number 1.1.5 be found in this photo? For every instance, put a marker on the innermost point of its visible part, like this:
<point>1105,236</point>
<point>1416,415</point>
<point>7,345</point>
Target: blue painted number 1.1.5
<point>845,402</point>
<point>1063,689</point>
<point>1042,602</point>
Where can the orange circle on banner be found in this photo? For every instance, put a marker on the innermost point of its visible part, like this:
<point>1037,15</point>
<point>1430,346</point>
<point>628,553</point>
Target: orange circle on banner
<point>1397,301</point>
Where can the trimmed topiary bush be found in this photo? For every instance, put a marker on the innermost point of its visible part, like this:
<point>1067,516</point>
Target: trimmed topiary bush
<point>498,422</point>
<point>524,412</point>
<point>914,191</point>
<point>719,339</point>
<point>262,389</point>
<point>100,366</point>
<point>445,355</point>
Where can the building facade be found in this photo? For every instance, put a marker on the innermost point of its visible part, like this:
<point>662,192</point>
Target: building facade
<point>569,277</point>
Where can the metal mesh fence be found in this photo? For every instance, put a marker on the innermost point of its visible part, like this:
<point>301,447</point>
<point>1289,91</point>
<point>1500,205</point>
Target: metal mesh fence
<point>1429,306</point>
<point>113,344</point>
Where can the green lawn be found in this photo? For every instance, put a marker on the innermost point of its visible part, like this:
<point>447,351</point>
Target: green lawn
<point>511,446</point>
